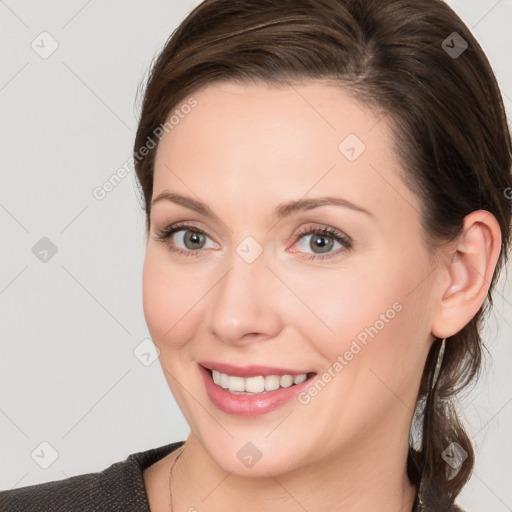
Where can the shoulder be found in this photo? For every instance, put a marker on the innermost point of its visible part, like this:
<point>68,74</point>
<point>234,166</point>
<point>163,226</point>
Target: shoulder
<point>120,487</point>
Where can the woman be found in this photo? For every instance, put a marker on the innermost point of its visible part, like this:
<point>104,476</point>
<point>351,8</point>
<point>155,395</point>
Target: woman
<point>325,186</point>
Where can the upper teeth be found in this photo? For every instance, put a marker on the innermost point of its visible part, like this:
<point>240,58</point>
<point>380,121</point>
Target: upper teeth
<point>256,384</point>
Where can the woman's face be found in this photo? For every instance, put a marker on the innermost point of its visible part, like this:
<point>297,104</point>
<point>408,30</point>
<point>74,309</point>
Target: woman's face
<point>353,305</point>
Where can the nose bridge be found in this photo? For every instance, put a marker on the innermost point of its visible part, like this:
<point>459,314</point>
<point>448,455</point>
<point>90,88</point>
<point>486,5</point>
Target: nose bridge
<point>241,304</point>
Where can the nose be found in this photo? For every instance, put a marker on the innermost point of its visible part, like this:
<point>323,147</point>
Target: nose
<point>244,304</point>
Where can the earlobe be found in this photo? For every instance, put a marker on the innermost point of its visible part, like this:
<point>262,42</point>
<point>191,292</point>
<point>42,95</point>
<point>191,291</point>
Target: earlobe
<point>468,269</point>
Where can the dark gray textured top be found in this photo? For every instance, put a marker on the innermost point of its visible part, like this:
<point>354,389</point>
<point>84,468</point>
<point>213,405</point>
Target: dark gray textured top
<point>118,488</point>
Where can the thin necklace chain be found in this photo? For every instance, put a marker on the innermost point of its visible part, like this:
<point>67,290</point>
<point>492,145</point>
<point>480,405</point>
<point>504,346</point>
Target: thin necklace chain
<point>171,507</point>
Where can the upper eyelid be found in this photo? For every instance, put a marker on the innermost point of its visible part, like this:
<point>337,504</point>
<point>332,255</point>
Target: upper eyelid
<point>178,226</point>
<point>329,230</point>
<point>187,225</point>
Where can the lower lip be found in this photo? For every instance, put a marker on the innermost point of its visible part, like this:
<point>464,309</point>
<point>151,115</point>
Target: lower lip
<point>249,405</point>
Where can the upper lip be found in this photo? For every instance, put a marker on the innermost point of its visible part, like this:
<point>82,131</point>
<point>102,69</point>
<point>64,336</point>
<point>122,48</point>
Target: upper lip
<point>250,370</point>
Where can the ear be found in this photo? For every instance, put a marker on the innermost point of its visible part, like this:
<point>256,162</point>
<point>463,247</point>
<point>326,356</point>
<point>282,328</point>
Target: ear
<point>467,267</point>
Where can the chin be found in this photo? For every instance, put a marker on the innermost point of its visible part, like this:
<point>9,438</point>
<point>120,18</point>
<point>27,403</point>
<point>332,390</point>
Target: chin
<point>256,454</point>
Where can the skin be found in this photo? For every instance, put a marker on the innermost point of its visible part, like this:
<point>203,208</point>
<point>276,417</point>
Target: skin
<point>243,150</point>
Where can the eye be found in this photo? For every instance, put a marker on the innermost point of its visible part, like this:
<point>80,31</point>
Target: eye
<point>189,243</point>
<point>322,239</point>
<point>193,240</point>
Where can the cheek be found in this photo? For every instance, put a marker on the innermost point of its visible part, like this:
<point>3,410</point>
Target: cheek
<point>377,305</point>
<point>335,307</point>
<point>165,299</point>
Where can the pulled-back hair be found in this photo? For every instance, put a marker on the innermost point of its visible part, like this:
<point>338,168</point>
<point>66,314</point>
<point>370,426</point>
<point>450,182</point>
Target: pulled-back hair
<point>450,135</point>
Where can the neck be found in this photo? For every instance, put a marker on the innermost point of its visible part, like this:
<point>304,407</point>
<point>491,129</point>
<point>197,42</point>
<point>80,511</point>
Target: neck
<point>359,479</point>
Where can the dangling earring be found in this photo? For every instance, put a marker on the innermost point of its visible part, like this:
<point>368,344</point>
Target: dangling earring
<point>421,505</point>
<point>438,364</point>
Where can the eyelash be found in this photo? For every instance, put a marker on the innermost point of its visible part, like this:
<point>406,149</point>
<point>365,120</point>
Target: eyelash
<point>166,233</point>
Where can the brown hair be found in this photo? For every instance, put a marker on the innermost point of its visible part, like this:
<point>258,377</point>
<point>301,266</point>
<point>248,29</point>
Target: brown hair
<point>450,128</point>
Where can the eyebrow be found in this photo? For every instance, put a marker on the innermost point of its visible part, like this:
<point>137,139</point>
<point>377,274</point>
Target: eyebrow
<point>282,210</point>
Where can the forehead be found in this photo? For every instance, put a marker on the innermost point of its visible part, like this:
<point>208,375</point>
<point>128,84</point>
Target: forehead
<point>272,122</point>
<point>262,142</point>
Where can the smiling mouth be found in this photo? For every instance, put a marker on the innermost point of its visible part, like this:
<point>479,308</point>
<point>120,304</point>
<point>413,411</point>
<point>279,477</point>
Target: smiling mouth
<point>257,384</point>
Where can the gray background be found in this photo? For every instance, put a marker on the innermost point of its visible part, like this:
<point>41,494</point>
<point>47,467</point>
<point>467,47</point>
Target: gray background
<point>75,369</point>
